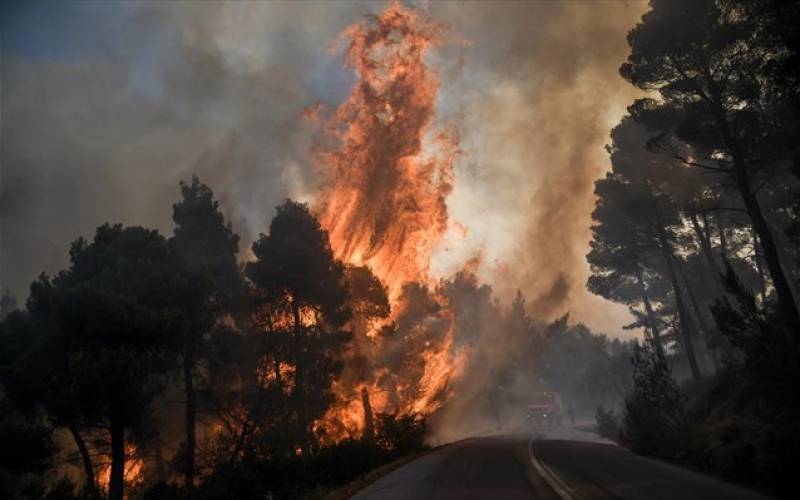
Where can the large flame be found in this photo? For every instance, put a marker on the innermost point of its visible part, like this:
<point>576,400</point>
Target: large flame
<point>384,206</point>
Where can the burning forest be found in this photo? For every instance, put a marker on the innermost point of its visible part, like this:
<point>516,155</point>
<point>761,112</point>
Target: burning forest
<point>388,173</point>
<point>383,240</point>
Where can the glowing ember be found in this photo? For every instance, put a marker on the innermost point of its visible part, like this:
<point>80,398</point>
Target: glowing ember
<point>384,206</point>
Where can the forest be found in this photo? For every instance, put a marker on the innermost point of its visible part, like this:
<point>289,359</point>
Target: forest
<point>696,230</point>
<point>162,368</point>
<point>183,364</point>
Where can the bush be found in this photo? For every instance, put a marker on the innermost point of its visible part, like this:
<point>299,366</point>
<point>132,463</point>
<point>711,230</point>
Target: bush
<point>289,476</point>
<point>655,409</point>
<point>607,423</point>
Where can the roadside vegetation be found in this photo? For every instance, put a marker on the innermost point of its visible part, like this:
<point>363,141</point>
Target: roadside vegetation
<point>156,367</point>
<point>696,230</point>
<point>151,362</point>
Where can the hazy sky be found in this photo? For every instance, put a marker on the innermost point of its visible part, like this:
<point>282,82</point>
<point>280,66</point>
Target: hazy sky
<point>107,105</point>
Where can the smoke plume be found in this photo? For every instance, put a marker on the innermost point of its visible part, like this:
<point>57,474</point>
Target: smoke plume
<point>105,108</point>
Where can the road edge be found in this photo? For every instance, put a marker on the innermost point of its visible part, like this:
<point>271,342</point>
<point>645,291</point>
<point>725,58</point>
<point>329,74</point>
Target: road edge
<point>562,490</point>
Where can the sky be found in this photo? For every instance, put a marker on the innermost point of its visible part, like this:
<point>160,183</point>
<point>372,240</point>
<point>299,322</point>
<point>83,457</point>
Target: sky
<point>106,106</point>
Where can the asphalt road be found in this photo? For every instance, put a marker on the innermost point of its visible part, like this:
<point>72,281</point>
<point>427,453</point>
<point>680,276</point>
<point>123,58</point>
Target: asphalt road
<point>542,467</point>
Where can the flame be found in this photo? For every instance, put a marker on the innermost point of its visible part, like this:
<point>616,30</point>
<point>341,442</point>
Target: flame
<point>388,173</point>
<point>384,205</point>
<point>133,473</point>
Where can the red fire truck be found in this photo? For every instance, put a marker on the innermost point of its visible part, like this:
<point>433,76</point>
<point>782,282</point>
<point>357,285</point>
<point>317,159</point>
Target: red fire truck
<point>544,409</point>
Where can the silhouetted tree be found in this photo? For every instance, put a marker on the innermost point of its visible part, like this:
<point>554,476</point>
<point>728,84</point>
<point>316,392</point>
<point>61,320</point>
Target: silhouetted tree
<point>28,446</point>
<point>655,409</point>
<point>633,236</point>
<point>113,314</point>
<point>297,274</point>
<point>712,70</point>
<point>8,303</point>
<point>208,247</point>
<point>36,376</point>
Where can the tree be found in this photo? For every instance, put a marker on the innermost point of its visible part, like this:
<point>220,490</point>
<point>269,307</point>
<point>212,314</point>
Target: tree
<point>709,64</point>
<point>298,276</point>
<point>655,409</point>
<point>26,434</point>
<point>8,303</point>
<point>208,247</point>
<point>632,237</point>
<point>112,315</point>
<point>770,352</point>
<point>37,377</point>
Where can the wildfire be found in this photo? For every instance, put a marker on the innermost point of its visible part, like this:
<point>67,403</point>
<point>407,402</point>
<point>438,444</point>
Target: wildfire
<point>133,469</point>
<point>384,206</point>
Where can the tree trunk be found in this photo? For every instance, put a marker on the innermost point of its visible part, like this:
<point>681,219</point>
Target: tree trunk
<point>708,255</point>
<point>757,258</point>
<point>369,425</point>
<point>687,326</point>
<point>298,394</point>
<point>191,412</point>
<point>723,240</point>
<point>651,317</point>
<point>783,290</point>
<point>88,467</point>
<point>704,327</point>
<point>692,300</point>
<point>116,482</point>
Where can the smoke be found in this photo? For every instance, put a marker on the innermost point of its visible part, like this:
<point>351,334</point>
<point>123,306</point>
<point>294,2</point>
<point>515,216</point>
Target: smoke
<point>104,109</point>
<point>535,100</point>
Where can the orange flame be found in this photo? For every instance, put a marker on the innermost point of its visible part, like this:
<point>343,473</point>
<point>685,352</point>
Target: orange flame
<point>384,206</point>
<point>132,474</point>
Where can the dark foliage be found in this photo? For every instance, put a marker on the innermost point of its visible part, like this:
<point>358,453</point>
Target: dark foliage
<point>330,466</point>
<point>607,423</point>
<point>655,414</point>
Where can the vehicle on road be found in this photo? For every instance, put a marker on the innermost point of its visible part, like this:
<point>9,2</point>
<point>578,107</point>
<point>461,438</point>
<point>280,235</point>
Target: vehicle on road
<point>544,409</point>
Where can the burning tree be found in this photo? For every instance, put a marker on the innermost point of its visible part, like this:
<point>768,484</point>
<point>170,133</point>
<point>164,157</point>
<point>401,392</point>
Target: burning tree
<point>303,288</point>
<point>388,175</point>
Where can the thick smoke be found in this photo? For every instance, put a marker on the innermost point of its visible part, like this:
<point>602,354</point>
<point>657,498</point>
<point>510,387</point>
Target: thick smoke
<point>104,109</point>
<point>535,99</point>
<point>99,124</point>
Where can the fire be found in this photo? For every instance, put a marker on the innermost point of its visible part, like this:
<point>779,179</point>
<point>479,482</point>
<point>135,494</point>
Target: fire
<point>384,205</point>
<point>388,174</point>
<point>132,475</point>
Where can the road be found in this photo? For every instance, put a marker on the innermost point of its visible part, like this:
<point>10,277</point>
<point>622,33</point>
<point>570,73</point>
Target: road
<point>544,467</point>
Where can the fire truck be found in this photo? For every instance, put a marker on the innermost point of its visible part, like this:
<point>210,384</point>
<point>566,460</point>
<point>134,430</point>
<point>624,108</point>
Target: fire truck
<point>544,409</point>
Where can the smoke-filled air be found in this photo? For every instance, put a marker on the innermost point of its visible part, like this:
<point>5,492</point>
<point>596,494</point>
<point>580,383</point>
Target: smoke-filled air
<point>399,249</point>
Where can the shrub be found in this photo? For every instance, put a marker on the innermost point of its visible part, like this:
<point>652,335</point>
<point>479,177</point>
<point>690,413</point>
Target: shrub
<point>607,423</point>
<point>655,409</point>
